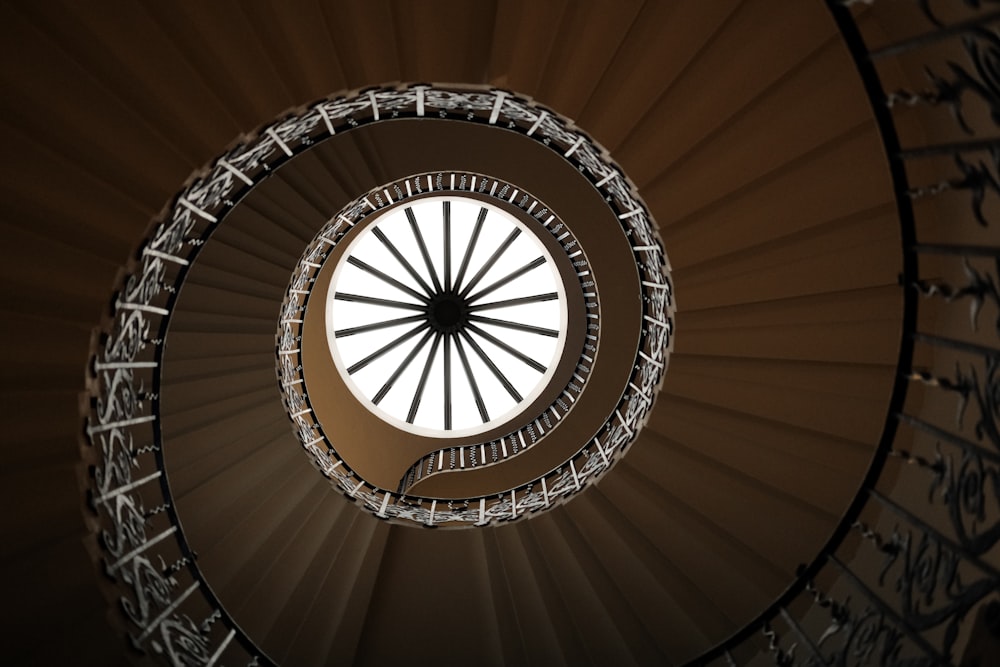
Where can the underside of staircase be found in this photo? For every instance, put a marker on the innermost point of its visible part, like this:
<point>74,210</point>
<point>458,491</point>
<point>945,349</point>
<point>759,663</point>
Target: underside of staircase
<point>747,130</point>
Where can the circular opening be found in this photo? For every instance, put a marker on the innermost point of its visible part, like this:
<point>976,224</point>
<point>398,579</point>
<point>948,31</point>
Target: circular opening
<point>448,315</point>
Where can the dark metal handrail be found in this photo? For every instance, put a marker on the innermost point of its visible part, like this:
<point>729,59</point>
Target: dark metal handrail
<point>909,607</point>
<point>901,577</point>
<point>122,410</point>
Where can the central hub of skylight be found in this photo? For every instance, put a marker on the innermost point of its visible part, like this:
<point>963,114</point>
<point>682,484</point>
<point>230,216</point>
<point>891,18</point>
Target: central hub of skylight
<point>447,315</point>
<point>448,312</point>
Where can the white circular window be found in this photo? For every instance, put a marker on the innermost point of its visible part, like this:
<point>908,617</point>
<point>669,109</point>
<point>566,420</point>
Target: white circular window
<point>447,316</point>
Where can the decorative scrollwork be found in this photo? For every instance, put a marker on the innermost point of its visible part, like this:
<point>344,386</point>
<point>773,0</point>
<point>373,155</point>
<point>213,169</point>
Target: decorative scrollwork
<point>182,642</point>
<point>782,657</point>
<point>977,178</point>
<point>970,491</point>
<point>122,429</point>
<point>151,590</point>
<point>929,587</point>
<point>982,46</point>
<point>939,568</point>
<point>987,396</point>
<point>980,288</point>
<point>866,637</point>
<point>982,390</point>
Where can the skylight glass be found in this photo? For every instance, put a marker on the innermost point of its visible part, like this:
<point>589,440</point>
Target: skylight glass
<point>447,316</point>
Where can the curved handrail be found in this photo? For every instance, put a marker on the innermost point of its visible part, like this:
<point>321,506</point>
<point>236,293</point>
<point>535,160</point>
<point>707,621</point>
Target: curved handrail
<point>175,613</point>
<point>536,426</point>
<point>886,630</point>
<point>121,408</point>
<point>504,109</point>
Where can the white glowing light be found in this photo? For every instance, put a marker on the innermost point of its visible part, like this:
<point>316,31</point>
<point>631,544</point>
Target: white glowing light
<point>439,300</point>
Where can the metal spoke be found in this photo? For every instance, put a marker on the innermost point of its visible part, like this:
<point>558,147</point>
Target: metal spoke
<point>506,303</point>
<point>446,215</point>
<point>507,348</point>
<point>380,235</point>
<point>447,382</point>
<point>470,248</point>
<point>472,380</point>
<point>507,324</point>
<point>423,380</point>
<point>493,368</point>
<point>386,348</point>
<point>402,367</point>
<point>384,324</point>
<point>492,260</point>
<point>388,303</point>
<point>423,249</point>
<point>354,261</point>
<point>510,277</point>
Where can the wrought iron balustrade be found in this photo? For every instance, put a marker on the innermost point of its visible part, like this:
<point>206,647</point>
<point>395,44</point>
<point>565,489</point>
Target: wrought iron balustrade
<point>168,606</point>
<point>914,562</point>
<point>912,572</point>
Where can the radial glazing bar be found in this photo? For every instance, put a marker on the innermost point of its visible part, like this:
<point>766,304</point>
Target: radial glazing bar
<point>507,324</point>
<point>423,248</point>
<point>520,301</point>
<point>469,249</point>
<point>418,394</point>
<point>384,324</point>
<point>446,352</point>
<point>517,354</point>
<point>354,261</point>
<point>472,380</point>
<point>497,254</point>
<point>386,348</point>
<point>402,367</point>
<point>510,277</point>
<point>380,235</point>
<point>374,301</point>
<point>446,218</point>
<point>497,373</point>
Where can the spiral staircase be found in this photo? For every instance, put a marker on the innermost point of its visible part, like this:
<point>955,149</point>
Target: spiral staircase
<point>806,425</point>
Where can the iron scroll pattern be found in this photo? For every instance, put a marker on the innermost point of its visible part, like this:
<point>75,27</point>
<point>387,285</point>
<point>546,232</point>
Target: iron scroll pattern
<point>169,608</point>
<point>911,576</point>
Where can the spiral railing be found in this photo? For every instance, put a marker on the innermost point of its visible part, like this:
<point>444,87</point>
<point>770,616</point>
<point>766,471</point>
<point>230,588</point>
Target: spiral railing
<point>595,456</point>
<point>145,551</point>
<point>399,503</point>
<point>910,575</point>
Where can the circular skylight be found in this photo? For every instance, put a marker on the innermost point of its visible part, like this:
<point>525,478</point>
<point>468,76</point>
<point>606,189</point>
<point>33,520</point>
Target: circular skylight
<point>447,316</point>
